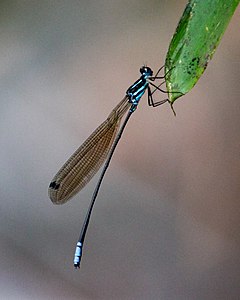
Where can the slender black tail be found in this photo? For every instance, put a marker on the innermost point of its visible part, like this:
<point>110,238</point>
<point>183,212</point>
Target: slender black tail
<point>79,246</point>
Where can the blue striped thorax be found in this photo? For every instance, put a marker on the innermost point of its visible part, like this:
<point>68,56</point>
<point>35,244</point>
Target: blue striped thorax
<point>135,91</point>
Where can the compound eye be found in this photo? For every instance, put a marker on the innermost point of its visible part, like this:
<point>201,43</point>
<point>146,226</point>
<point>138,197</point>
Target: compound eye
<point>143,70</point>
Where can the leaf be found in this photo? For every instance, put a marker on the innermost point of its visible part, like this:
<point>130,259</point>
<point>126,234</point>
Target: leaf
<point>198,34</point>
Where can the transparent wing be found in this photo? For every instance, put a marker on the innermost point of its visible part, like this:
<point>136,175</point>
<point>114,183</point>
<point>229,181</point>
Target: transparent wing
<point>88,158</point>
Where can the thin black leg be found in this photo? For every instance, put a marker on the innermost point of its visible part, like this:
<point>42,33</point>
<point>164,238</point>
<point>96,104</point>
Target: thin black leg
<point>151,102</point>
<point>158,88</point>
<point>160,77</point>
<point>165,92</point>
<point>156,75</point>
<point>150,99</point>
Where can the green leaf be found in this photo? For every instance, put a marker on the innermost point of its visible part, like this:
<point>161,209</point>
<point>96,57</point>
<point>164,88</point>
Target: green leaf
<point>198,34</point>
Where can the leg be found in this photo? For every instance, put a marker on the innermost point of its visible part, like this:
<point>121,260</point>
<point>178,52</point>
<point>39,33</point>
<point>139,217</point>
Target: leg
<point>166,92</point>
<point>154,104</point>
<point>161,77</point>
<point>156,75</point>
<point>158,87</point>
<point>150,99</point>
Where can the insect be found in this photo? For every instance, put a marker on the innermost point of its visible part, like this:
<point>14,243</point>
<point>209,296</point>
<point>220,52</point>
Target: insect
<point>99,147</point>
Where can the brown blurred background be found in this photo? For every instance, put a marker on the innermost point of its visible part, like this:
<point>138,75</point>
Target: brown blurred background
<point>166,222</point>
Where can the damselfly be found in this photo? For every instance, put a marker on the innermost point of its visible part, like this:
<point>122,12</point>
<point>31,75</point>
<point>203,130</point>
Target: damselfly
<point>99,147</point>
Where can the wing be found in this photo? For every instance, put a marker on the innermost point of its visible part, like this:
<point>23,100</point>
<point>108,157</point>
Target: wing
<point>88,158</point>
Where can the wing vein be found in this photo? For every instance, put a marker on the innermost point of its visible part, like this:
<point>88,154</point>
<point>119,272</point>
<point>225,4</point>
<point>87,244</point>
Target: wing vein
<point>88,158</point>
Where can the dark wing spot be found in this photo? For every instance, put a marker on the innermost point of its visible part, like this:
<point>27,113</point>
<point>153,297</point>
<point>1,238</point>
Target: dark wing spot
<point>54,185</point>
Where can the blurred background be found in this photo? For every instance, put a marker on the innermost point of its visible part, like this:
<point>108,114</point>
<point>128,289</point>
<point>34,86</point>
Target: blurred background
<point>166,222</point>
